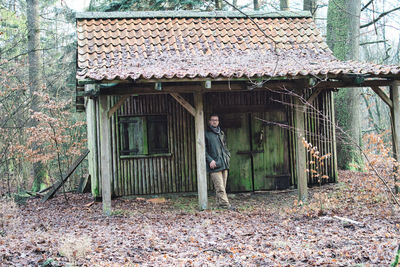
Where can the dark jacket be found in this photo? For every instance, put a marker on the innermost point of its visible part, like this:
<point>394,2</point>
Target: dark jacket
<point>217,150</point>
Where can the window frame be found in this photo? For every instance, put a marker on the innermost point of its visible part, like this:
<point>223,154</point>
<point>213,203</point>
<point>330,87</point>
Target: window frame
<point>145,136</point>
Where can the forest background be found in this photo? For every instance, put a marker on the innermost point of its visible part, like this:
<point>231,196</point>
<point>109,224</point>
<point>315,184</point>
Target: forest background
<point>41,133</point>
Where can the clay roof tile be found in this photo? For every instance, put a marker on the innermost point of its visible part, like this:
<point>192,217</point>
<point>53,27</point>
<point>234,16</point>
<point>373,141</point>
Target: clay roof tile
<point>157,47</point>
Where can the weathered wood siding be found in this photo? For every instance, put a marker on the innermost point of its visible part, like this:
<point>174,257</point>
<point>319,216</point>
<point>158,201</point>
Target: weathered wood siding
<point>318,126</point>
<point>165,173</point>
<point>319,129</point>
<point>176,170</point>
<point>245,116</point>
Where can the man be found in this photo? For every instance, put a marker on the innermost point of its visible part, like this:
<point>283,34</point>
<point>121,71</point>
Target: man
<point>217,157</point>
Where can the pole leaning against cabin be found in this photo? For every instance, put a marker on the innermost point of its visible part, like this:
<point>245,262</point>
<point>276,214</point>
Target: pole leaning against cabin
<point>200,151</point>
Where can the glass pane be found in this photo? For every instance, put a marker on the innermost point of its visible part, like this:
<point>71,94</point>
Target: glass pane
<point>157,134</point>
<point>131,135</point>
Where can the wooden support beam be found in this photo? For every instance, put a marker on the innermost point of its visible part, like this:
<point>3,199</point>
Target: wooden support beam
<point>126,89</point>
<point>395,119</point>
<point>333,122</point>
<point>184,103</point>
<point>300,155</point>
<point>382,95</point>
<point>315,94</point>
<point>91,122</point>
<point>345,84</point>
<point>117,105</point>
<point>200,152</point>
<point>105,155</point>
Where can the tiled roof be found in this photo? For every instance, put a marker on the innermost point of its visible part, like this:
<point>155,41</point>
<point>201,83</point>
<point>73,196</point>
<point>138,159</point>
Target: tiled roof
<point>153,47</point>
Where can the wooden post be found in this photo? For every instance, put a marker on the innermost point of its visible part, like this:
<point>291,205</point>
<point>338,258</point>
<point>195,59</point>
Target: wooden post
<point>200,151</point>
<point>92,143</point>
<point>105,155</point>
<point>333,120</point>
<point>300,155</point>
<point>395,118</point>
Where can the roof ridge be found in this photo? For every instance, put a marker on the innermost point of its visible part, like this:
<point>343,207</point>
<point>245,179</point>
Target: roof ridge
<point>192,14</point>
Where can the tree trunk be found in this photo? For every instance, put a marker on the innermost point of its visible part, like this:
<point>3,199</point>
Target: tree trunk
<point>32,14</point>
<point>284,5</point>
<point>343,31</point>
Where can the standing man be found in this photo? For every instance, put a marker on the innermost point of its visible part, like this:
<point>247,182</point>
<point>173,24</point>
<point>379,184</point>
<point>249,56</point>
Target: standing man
<point>217,157</point>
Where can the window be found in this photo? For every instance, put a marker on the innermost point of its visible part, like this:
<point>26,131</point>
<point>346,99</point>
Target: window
<point>143,135</point>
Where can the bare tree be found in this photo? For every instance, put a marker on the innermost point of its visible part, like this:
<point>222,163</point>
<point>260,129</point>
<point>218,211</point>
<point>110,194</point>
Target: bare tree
<point>32,12</point>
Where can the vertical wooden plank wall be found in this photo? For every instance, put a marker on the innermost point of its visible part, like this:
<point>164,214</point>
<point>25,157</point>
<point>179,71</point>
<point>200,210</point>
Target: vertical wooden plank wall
<point>171,173</point>
<point>320,132</point>
<point>224,102</point>
<point>177,172</point>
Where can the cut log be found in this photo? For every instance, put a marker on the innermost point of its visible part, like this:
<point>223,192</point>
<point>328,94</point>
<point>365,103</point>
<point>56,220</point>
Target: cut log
<point>71,170</point>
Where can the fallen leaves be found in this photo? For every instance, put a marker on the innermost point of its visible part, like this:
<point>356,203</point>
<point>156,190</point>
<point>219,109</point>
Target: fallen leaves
<point>269,231</point>
<point>157,200</point>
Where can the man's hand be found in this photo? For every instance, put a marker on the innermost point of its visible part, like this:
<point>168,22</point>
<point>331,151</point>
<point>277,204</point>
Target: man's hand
<point>213,164</point>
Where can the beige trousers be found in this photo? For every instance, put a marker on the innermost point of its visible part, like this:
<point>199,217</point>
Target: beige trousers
<point>219,180</point>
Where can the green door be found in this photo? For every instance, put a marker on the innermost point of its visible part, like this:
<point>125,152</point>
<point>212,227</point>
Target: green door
<point>236,128</point>
<point>259,151</point>
<point>269,135</point>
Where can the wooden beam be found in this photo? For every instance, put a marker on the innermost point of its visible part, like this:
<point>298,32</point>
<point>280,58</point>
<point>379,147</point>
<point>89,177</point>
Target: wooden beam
<point>91,122</point>
<point>382,95</point>
<point>333,122</point>
<point>184,103</point>
<point>395,119</point>
<point>125,89</point>
<point>315,94</point>
<point>105,155</point>
<point>345,84</point>
<point>65,177</point>
<point>191,87</point>
<point>300,155</point>
<point>200,152</point>
<point>117,105</point>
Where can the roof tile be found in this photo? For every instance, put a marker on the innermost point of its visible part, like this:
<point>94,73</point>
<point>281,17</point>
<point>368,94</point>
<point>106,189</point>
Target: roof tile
<point>156,48</point>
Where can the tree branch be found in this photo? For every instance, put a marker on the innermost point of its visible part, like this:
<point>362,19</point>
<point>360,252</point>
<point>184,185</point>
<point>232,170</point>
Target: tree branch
<point>380,17</point>
<point>373,42</point>
<point>366,5</point>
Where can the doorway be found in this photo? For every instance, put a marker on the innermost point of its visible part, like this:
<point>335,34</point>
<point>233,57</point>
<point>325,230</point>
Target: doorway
<point>258,142</point>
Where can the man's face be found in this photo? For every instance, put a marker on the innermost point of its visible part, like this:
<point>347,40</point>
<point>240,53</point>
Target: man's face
<point>214,121</point>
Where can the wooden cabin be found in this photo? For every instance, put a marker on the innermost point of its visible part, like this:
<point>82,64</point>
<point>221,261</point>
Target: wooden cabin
<point>149,80</point>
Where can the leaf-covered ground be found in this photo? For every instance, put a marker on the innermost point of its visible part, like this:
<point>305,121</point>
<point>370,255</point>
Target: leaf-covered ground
<point>269,229</point>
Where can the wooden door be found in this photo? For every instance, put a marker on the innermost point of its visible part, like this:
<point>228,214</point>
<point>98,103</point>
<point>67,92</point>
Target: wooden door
<point>236,128</point>
<point>258,143</point>
<point>269,143</point>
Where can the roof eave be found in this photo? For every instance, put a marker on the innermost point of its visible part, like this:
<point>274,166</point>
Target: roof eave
<point>192,14</point>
